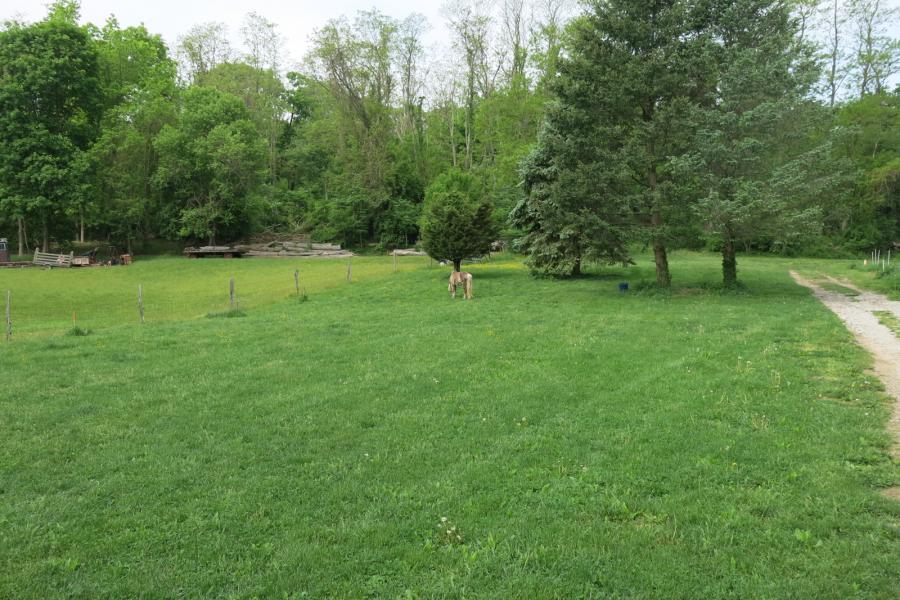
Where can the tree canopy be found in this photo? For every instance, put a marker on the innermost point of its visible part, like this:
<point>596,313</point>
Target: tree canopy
<point>593,132</point>
<point>50,107</point>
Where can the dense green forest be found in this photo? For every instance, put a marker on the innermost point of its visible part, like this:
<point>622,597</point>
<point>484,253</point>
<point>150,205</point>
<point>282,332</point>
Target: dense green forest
<point>744,125</point>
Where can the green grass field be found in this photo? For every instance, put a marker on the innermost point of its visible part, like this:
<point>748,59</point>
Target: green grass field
<point>576,442</point>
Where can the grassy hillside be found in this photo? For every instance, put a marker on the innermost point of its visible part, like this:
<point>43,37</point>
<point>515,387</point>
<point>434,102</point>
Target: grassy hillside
<point>574,441</point>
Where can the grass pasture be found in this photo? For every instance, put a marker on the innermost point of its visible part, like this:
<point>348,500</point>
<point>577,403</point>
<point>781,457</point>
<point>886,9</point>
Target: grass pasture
<point>576,442</point>
<point>174,289</point>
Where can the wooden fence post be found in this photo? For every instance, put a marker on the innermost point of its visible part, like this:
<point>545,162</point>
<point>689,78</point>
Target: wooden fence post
<point>350,269</point>
<point>395,262</point>
<point>8,320</point>
<point>231,292</point>
<point>297,280</point>
<point>141,302</point>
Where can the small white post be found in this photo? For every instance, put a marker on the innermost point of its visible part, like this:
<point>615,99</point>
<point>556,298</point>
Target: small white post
<point>141,302</point>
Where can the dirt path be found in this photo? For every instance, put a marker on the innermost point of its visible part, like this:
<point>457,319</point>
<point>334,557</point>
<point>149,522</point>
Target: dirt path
<point>882,344</point>
<point>868,300</point>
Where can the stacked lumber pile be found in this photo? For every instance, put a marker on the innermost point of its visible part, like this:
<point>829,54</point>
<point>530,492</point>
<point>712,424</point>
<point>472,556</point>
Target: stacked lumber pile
<point>293,248</point>
<point>408,252</point>
<point>270,236</point>
<point>223,251</point>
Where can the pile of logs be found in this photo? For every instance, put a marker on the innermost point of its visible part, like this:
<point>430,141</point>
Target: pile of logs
<point>288,248</point>
<point>408,252</point>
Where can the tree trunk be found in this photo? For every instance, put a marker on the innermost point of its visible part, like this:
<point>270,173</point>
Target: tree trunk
<point>45,234</point>
<point>660,256</point>
<point>453,140</point>
<point>729,262</point>
<point>576,268</point>
<point>21,236</point>
<point>470,112</point>
<point>457,265</point>
<point>81,232</point>
<point>835,55</point>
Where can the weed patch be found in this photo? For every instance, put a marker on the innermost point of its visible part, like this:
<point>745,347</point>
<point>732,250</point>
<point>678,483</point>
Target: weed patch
<point>889,320</point>
<point>838,288</point>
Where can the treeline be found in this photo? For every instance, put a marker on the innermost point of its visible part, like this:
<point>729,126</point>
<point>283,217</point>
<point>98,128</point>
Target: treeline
<point>594,130</point>
<point>209,143</point>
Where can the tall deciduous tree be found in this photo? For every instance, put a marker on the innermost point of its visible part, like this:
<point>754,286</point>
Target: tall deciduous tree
<point>263,43</point>
<point>354,62</point>
<point>877,54</point>
<point>835,46</point>
<point>872,216</point>
<point>202,48</point>
<point>143,94</point>
<point>547,37</point>
<point>210,164</point>
<point>138,81</point>
<point>50,106</point>
<point>515,23</point>
<point>410,53</point>
<point>262,93</point>
<point>470,25</point>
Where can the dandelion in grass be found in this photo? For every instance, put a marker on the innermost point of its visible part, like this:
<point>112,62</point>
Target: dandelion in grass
<point>449,532</point>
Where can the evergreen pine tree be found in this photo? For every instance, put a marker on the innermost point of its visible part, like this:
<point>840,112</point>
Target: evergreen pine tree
<point>457,221</point>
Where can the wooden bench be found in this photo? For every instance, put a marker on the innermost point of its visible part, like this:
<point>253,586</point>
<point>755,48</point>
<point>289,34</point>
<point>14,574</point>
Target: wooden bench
<point>44,259</point>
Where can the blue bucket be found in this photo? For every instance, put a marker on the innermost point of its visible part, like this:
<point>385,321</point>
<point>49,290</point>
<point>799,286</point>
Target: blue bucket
<point>623,287</point>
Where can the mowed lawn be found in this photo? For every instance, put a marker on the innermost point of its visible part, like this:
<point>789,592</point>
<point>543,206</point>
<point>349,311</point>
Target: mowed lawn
<point>576,442</point>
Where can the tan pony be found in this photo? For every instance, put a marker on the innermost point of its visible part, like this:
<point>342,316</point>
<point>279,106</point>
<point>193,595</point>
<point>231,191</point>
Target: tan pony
<point>460,278</point>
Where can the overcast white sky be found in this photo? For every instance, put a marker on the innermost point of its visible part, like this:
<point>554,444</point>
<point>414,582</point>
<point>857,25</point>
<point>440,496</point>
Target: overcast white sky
<point>296,19</point>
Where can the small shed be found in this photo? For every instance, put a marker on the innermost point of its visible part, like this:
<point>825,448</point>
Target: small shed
<point>4,251</point>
